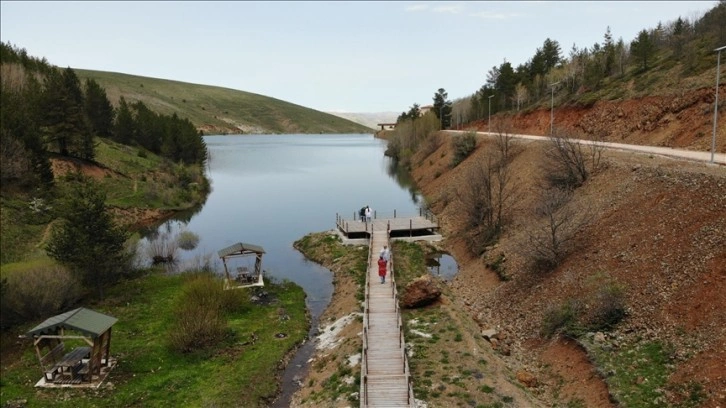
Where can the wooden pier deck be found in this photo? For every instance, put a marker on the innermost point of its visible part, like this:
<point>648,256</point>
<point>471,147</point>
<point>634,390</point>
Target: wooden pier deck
<point>422,224</point>
<point>385,377</point>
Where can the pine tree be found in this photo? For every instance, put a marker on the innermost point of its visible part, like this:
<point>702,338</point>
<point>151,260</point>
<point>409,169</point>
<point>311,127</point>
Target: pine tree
<point>124,128</point>
<point>87,240</point>
<point>98,109</point>
<point>62,115</point>
<point>442,108</point>
<point>642,48</point>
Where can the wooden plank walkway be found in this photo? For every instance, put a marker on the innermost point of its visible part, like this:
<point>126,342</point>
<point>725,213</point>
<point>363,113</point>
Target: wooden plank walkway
<point>396,224</point>
<point>385,377</point>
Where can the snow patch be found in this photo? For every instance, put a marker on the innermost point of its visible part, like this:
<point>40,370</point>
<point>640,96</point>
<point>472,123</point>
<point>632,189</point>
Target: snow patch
<point>328,337</point>
<point>420,333</point>
<point>354,360</point>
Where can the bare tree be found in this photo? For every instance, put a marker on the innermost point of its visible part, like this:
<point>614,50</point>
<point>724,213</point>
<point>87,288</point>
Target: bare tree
<point>520,94</point>
<point>569,162</point>
<point>14,161</point>
<point>485,200</point>
<point>555,233</point>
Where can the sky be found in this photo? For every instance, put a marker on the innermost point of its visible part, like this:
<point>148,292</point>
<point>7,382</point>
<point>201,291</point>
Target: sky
<point>332,56</point>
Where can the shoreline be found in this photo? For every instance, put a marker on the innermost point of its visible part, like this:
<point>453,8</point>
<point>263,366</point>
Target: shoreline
<point>336,342</point>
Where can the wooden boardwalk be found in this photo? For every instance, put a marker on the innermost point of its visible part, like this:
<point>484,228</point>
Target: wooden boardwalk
<point>411,225</point>
<point>385,377</point>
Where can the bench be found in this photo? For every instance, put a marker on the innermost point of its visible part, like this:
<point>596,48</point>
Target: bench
<point>243,274</point>
<point>49,361</point>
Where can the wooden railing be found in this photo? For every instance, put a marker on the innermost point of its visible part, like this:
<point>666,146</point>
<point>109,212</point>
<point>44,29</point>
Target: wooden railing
<point>399,321</point>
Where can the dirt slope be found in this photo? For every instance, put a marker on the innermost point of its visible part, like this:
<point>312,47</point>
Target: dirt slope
<point>683,120</point>
<point>658,231</point>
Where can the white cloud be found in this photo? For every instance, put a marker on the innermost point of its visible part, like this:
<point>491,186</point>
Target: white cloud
<point>447,9</point>
<point>489,15</point>
<point>417,7</point>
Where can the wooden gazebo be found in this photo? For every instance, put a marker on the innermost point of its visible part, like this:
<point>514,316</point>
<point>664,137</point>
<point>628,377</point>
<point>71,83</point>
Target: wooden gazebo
<point>80,364</point>
<point>244,277</point>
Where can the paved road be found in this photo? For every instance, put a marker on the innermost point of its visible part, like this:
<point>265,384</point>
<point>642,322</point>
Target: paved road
<point>719,158</point>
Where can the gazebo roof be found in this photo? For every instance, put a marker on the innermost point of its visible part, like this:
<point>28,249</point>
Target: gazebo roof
<point>86,321</point>
<point>240,248</point>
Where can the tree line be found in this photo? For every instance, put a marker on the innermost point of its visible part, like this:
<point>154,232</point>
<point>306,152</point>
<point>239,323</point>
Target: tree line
<point>46,110</point>
<point>588,69</point>
<point>685,41</point>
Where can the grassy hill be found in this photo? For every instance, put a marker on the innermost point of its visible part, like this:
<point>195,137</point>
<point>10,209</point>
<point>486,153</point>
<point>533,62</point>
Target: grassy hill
<point>216,110</point>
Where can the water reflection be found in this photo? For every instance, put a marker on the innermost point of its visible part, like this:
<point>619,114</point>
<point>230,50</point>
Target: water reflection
<point>274,189</point>
<point>270,190</point>
<point>403,178</point>
<point>442,265</point>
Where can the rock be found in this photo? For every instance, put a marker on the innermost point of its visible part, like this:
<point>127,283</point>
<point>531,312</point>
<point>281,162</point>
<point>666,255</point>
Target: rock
<point>526,378</point>
<point>505,350</point>
<point>420,292</point>
<point>489,334</point>
<point>599,337</point>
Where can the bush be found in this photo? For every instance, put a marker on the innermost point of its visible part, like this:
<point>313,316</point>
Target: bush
<point>187,240</point>
<point>463,146</point>
<point>196,328</point>
<point>562,318</point>
<point>559,230</point>
<point>498,266</point>
<point>200,313</point>
<point>161,249</point>
<point>37,293</point>
<point>607,309</point>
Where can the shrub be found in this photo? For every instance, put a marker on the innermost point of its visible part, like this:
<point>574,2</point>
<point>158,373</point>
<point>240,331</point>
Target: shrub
<point>608,308</point>
<point>200,313</point>
<point>498,266</point>
<point>36,293</point>
<point>563,317</point>
<point>187,240</point>
<point>557,233</point>
<point>463,146</point>
<point>431,144</point>
<point>161,249</point>
<point>569,162</point>
<point>196,328</point>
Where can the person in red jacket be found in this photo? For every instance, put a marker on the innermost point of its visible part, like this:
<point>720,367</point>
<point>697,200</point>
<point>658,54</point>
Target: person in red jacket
<point>382,268</point>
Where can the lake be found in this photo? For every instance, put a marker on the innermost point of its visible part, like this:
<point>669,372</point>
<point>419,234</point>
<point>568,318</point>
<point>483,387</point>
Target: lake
<point>271,190</point>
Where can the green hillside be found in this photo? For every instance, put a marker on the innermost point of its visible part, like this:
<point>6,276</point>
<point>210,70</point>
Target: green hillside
<point>216,110</point>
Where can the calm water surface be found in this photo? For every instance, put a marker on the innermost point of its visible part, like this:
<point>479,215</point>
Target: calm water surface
<point>271,190</point>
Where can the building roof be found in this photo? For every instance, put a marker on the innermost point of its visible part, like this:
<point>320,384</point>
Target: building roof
<point>240,248</point>
<point>86,321</point>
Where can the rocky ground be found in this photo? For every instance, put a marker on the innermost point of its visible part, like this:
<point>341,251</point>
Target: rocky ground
<point>655,234</point>
<point>657,230</point>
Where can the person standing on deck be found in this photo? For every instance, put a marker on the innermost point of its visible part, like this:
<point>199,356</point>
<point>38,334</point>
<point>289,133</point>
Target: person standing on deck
<point>386,253</point>
<point>382,268</point>
<point>368,214</point>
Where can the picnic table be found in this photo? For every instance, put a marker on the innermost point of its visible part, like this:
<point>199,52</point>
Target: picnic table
<point>71,363</point>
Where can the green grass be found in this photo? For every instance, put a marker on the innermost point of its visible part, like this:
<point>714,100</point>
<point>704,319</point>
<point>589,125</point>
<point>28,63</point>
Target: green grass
<point>221,107</point>
<point>636,375</point>
<point>139,180</point>
<point>149,374</point>
<point>20,231</point>
<point>409,262</point>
